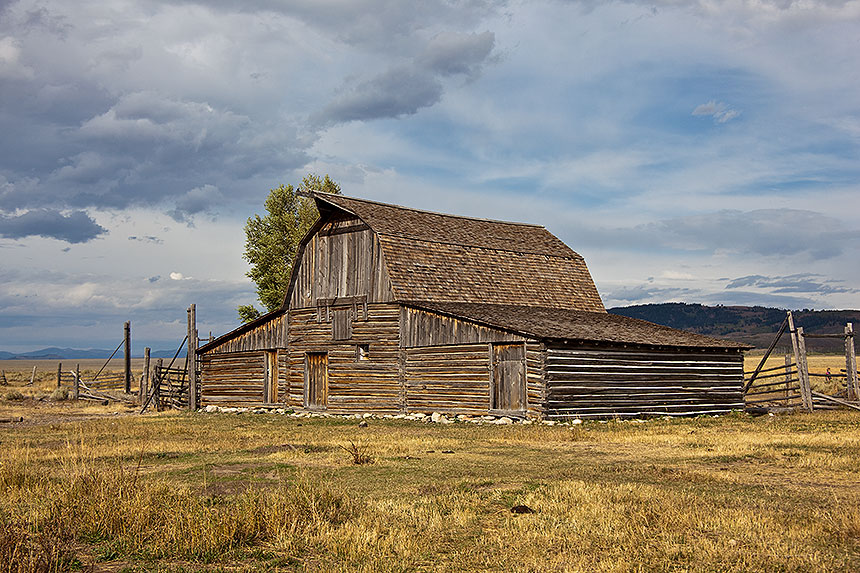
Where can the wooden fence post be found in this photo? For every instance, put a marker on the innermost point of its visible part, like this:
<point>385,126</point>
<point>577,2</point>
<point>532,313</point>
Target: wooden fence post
<point>126,337</point>
<point>192,357</point>
<point>787,377</point>
<point>3,381</point>
<point>159,365</point>
<point>144,377</point>
<point>59,374</point>
<point>851,364</point>
<point>805,386</point>
<point>796,349</point>
<point>76,388</point>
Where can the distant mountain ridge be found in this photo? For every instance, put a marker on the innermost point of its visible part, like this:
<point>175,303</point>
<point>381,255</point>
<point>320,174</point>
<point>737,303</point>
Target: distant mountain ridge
<point>756,325</point>
<point>54,353</point>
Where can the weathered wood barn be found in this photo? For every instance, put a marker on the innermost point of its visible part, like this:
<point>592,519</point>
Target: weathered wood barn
<point>396,310</point>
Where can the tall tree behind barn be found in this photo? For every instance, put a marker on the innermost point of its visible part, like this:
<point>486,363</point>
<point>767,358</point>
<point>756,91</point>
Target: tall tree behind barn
<point>391,309</point>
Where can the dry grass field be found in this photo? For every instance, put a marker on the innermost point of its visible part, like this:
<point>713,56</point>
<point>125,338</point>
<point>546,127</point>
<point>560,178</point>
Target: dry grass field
<point>90,488</point>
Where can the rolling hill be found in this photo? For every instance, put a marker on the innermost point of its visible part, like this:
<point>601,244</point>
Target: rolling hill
<point>756,325</point>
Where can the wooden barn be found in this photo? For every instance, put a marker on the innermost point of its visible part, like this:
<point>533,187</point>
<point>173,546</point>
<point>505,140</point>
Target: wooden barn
<point>396,310</point>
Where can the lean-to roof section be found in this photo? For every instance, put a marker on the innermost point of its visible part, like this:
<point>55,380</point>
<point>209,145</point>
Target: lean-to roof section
<point>560,324</point>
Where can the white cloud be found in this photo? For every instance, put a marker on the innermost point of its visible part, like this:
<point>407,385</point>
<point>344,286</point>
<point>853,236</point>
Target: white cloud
<point>721,112</point>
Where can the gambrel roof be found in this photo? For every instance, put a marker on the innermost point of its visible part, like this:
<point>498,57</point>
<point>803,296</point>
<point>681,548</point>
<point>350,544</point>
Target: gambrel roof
<point>448,258</point>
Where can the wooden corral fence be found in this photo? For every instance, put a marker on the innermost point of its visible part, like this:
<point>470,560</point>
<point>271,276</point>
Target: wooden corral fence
<point>790,386</point>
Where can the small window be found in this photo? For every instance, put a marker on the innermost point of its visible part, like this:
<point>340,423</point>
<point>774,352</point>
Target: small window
<point>341,324</point>
<point>362,352</point>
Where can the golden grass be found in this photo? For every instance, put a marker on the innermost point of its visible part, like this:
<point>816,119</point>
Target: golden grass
<point>201,491</point>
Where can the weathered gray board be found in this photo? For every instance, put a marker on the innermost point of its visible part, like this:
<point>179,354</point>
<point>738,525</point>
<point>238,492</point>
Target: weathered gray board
<point>604,383</point>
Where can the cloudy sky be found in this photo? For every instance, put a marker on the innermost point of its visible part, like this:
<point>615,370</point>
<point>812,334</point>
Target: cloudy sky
<point>695,151</point>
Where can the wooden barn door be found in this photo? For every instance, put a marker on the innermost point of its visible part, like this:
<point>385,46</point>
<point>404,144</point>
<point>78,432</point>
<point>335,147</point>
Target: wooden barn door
<point>270,378</point>
<point>316,380</point>
<point>508,385</point>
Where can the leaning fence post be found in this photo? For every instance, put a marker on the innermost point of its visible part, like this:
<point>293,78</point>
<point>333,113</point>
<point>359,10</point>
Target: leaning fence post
<point>806,386</point>
<point>76,388</point>
<point>851,364</point>
<point>158,374</point>
<point>143,390</point>
<point>796,349</point>
<point>32,377</point>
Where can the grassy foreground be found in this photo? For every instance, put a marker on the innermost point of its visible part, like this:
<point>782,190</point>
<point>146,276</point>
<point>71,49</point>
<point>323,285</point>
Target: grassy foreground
<point>183,492</point>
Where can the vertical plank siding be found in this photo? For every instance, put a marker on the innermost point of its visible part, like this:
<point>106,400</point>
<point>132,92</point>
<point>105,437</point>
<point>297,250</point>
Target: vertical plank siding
<point>605,383</point>
<point>354,385</point>
<point>426,328</point>
<point>339,263</point>
<point>270,335</point>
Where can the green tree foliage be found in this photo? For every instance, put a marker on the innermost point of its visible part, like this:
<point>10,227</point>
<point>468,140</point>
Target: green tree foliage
<point>272,241</point>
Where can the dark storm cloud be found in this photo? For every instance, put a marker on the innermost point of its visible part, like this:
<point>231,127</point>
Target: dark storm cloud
<point>404,90</point>
<point>648,292</point>
<point>798,283</point>
<point>75,227</point>
<point>392,94</point>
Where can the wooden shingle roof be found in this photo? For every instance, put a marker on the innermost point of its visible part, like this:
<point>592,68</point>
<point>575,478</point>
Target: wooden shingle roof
<point>448,258</point>
<point>560,324</point>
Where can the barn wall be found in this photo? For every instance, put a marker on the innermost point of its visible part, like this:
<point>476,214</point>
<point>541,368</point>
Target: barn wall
<point>269,335</point>
<point>343,259</point>
<point>232,379</point>
<point>452,379</point>
<point>425,328</point>
<point>371,385</point>
<point>616,382</point>
<point>535,387</point>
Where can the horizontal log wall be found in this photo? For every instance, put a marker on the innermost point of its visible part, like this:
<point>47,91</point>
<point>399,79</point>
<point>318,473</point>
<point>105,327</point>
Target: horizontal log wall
<point>587,383</point>
<point>234,379</point>
<point>425,328</point>
<point>269,335</point>
<point>371,385</point>
<point>339,262</point>
<point>449,379</point>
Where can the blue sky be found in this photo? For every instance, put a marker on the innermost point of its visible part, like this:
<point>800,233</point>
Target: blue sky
<point>691,151</point>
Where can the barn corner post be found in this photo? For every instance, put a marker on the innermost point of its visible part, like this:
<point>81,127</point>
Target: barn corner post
<point>126,337</point>
<point>192,357</point>
<point>851,364</point>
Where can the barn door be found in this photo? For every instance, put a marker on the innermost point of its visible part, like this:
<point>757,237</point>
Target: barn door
<point>316,380</point>
<point>270,380</point>
<point>508,388</point>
